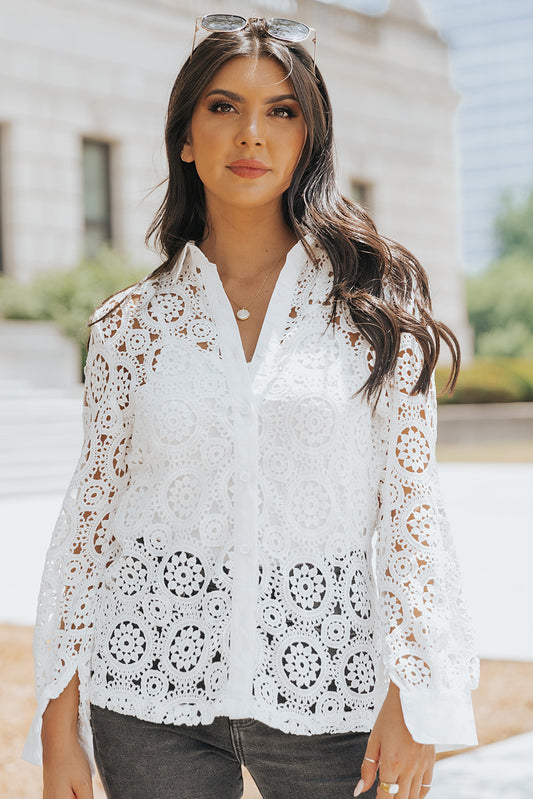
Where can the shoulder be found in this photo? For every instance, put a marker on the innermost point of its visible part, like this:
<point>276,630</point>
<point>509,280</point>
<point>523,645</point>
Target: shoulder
<point>113,347</point>
<point>118,310</point>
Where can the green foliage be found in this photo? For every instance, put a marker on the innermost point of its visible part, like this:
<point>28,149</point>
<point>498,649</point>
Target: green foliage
<point>68,298</point>
<point>514,226</point>
<point>500,307</point>
<point>500,299</point>
<point>490,380</point>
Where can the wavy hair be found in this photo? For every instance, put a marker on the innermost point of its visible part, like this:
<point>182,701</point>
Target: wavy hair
<point>380,283</point>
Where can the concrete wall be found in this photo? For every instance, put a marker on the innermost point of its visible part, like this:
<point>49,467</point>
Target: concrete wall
<point>104,69</point>
<point>493,422</point>
<point>38,354</point>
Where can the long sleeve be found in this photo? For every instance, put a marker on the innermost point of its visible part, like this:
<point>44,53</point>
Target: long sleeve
<point>82,544</point>
<point>427,635</point>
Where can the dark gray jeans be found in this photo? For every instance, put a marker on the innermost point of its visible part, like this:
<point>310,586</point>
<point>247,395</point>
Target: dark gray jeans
<point>142,760</point>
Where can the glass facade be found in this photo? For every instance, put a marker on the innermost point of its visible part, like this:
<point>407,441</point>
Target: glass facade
<point>491,60</point>
<point>491,55</point>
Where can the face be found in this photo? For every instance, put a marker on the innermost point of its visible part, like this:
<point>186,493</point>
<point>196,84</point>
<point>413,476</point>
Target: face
<point>246,135</point>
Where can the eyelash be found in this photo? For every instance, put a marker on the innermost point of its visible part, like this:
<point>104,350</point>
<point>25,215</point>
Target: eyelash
<point>217,104</point>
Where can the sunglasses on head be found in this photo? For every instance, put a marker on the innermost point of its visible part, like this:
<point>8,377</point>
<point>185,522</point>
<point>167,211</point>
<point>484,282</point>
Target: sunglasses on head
<point>286,30</point>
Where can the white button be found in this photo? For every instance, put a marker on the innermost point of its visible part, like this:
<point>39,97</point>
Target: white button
<point>244,549</point>
<point>244,410</point>
<point>244,476</point>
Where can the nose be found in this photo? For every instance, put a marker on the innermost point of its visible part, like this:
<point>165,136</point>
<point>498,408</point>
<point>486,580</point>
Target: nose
<point>251,131</point>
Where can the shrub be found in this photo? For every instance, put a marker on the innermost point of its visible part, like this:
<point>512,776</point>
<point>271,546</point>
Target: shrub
<point>68,298</point>
<point>491,380</point>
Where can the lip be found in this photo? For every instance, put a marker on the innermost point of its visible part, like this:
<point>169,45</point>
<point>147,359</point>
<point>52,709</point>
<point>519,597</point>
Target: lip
<point>248,168</point>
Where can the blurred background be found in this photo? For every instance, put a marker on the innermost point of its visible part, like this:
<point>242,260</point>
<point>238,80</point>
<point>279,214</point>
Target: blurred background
<point>433,105</point>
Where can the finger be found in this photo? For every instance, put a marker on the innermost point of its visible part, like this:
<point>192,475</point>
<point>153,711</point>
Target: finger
<point>84,790</point>
<point>421,784</point>
<point>51,791</point>
<point>416,787</point>
<point>391,788</point>
<point>406,783</point>
<point>425,784</point>
<point>369,768</point>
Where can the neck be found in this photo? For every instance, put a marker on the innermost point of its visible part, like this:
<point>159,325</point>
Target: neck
<point>245,244</point>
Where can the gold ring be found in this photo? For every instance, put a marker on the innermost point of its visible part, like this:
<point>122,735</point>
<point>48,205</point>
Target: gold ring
<point>370,759</point>
<point>389,787</point>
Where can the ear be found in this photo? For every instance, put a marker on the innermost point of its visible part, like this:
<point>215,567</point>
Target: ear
<point>187,154</point>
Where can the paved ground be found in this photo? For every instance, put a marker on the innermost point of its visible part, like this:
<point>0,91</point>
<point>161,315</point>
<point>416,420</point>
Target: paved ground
<point>502,770</point>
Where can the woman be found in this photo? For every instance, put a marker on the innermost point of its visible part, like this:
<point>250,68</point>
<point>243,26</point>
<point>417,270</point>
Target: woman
<point>251,564</point>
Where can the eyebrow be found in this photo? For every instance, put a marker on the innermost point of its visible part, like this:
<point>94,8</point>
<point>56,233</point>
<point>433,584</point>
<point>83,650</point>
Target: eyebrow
<point>238,99</point>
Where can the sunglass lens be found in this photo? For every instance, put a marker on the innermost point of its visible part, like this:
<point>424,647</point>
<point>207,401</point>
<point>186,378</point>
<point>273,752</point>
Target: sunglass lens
<point>288,29</point>
<point>223,22</point>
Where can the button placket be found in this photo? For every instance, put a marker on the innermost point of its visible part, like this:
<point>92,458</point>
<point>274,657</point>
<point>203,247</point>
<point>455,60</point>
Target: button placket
<point>240,377</point>
<point>246,574</point>
<point>245,570</point>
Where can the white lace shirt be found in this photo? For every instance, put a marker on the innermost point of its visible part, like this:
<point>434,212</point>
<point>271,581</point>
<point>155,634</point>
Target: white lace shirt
<point>249,539</point>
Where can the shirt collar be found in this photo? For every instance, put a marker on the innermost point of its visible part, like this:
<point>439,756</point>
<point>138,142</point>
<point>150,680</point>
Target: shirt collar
<point>193,254</point>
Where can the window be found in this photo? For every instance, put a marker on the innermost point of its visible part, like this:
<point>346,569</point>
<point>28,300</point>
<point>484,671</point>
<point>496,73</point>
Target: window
<point>361,193</point>
<point>96,195</point>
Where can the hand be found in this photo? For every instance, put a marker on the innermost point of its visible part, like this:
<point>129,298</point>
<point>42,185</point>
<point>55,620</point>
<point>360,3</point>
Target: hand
<point>399,757</point>
<point>66,771</point>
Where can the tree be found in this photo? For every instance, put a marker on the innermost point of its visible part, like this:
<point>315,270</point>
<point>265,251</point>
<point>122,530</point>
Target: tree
<point>500,299</point>
<point>514,226</point>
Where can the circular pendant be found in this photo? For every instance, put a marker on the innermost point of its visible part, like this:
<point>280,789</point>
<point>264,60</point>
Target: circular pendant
<point>242,314</point>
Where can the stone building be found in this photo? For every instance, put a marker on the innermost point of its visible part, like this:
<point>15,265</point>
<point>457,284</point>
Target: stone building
<point>83,91</point>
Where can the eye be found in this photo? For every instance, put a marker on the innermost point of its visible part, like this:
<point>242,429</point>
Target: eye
<point>220,106</point>
<point>283,111</point>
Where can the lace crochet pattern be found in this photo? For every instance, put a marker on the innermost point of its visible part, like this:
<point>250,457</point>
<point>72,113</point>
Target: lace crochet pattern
<point>249,539</point>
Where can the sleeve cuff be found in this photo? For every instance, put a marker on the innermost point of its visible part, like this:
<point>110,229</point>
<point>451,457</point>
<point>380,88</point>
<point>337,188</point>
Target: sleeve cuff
<point>32,752</point>
<point>441,717</point>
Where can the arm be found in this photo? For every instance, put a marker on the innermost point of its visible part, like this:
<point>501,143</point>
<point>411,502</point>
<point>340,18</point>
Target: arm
<point>82,543</point>
<point>426,635</point>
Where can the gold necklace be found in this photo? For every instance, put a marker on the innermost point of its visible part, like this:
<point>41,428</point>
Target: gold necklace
<point>243,313</point>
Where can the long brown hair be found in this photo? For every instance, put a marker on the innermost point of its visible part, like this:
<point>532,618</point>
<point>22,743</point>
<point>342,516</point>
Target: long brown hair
<point>381,284</point>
